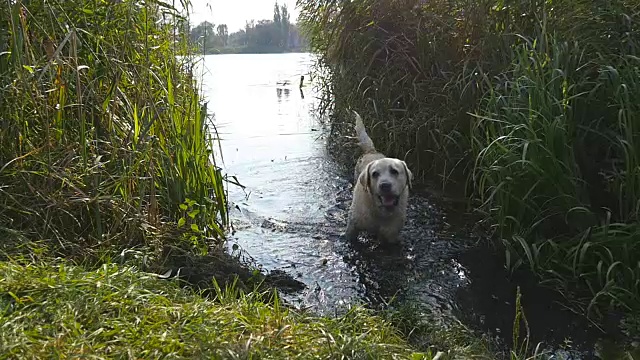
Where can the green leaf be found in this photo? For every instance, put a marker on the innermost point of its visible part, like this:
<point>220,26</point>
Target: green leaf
<point>194,227</point>
<point>184,207</point>
<point>181,222</point>
<point>193,214</point>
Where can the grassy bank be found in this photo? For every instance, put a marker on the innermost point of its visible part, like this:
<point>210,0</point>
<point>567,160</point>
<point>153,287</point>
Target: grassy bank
<point>116,312</point>
<point>531,106</point>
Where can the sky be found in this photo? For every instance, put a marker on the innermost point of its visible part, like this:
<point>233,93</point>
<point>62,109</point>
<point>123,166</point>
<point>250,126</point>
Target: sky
<point>234,13</point>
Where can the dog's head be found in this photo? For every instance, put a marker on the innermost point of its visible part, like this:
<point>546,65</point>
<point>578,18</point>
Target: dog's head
<point>386,179</point>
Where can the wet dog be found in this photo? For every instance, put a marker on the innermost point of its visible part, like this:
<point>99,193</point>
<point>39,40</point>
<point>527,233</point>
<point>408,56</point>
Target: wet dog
<point>380,194</point>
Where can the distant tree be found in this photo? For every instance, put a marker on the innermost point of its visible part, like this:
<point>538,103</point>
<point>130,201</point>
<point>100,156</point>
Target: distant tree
<point>249,28</point>
<point>296,40</point>
<point>238,38</point>
<point>223,34</point>
<point>281,25</point>
<point>265,34</point>
<point>285,26</point>
<point>275,35</point>
<point>277,17</point>
<point>204,35</point>
<point>203,29</point>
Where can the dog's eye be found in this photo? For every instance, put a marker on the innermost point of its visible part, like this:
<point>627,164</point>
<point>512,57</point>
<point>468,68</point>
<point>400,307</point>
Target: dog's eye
<point>375,174</point>
<point>394,172</point>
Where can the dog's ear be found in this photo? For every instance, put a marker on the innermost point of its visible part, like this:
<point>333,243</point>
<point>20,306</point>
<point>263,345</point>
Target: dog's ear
<point>409,175</point>
<point>365,178</point>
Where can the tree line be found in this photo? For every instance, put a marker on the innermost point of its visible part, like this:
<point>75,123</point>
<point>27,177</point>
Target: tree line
<point>263,36</point>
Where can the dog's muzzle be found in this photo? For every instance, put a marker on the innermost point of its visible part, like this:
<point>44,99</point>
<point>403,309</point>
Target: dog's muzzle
<point>387,198</point>
<point>389,201</point>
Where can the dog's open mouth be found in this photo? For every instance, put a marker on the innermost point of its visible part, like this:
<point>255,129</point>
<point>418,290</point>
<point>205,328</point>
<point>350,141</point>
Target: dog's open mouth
<point>388,201</point>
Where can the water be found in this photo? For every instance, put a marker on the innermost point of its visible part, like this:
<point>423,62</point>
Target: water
<point>292,211</point>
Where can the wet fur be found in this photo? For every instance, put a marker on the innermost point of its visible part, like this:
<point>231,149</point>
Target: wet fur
<point>367,212</point>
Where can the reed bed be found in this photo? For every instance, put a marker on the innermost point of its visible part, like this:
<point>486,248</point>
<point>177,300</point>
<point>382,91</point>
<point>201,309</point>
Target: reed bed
<point>105,143</point>
<point>531,107</point>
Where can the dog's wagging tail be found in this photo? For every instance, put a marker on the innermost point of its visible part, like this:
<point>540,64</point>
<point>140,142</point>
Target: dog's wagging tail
<point>365,142</point>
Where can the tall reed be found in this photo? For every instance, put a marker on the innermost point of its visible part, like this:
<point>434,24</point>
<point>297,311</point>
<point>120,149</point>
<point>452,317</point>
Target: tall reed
<point>104,140</point>
<point>533,105</point>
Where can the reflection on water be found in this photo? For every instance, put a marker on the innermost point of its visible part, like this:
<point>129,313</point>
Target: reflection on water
<point>273,143</point>
<point>293,210</point>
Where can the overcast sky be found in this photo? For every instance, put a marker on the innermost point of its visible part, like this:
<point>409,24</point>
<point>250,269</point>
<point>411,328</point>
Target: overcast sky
<point>234,13</point>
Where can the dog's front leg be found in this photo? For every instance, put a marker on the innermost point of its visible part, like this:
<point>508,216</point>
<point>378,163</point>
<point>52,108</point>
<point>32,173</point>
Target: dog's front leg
<point>351,233</point>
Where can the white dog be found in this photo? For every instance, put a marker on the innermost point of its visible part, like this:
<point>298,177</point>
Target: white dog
<point>380,194</point>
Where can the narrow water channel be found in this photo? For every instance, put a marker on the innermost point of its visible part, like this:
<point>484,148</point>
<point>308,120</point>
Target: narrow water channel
<point>292,211</point>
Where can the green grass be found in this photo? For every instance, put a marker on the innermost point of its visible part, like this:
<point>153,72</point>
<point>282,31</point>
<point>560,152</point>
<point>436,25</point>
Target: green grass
<point>61,311</point>
<point>529,106</point>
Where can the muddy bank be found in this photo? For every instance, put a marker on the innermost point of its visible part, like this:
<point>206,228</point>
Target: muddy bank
<point>220,267</point>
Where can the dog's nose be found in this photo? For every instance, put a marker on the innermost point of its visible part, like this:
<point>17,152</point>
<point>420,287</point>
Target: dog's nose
<point>385,187</point>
